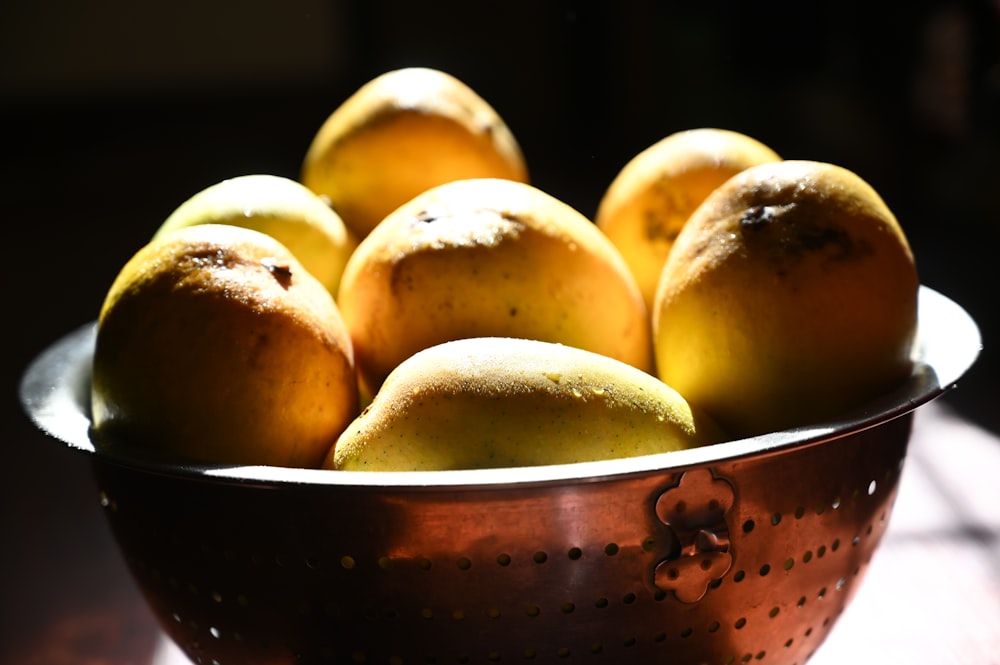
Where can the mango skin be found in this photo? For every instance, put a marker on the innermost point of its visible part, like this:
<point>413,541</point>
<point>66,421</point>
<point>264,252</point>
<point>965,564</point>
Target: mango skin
<point>488,257</point>
<point>401,133</point>
<point>280,207</point>
<point>215,346</point>
<point>789,297</point>
<point>507,402</point>
<point>651,198</point>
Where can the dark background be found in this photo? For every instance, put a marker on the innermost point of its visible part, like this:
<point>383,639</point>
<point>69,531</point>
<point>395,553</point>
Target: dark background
<point>113,113</point>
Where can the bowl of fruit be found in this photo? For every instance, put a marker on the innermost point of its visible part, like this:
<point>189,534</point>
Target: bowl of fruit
<point>413,409</point>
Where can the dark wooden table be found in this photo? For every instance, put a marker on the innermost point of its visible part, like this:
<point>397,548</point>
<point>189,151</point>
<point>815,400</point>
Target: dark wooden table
<point>931,596</point>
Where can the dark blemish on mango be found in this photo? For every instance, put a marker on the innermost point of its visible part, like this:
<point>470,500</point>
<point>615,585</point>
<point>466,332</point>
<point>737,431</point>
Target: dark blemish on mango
<point>791,239</point>
<point>659,229</point>
<point>282,273</point>
<point>400,279</point>
<point>757,217</point>
<point>835,243</point>
<point>814,239</point>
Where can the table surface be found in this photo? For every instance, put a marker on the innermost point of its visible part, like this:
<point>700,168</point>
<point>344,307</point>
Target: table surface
<point>931,595</point>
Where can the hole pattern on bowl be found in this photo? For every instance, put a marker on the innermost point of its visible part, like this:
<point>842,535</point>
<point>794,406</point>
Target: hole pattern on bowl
<point>432,594</point>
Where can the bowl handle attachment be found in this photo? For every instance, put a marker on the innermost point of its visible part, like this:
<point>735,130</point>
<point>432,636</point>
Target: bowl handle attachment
<point>694,511</point>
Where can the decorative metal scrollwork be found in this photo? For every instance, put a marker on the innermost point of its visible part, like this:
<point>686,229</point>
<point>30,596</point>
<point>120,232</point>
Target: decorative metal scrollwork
<point>695,513</point>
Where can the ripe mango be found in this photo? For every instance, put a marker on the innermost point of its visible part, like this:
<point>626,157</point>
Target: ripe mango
<point>789,297</point>
<point>508,402</point>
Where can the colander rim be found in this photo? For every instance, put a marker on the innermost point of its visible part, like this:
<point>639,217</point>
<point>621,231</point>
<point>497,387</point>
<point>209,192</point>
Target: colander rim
<point>54,393</point>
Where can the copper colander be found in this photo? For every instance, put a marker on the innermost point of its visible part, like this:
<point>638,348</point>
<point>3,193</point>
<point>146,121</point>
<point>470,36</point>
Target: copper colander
<point>741,552</point>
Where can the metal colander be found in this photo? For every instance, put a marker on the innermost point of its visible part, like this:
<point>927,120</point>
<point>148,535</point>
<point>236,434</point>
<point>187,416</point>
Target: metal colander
<point>742,552</point>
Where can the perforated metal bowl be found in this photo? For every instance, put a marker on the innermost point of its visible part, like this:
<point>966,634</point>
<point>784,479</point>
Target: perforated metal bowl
<point>746,551</point>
